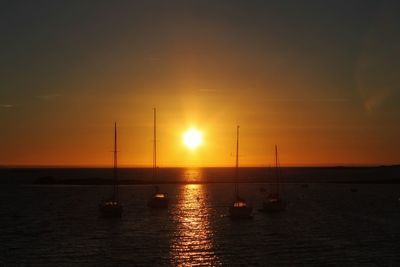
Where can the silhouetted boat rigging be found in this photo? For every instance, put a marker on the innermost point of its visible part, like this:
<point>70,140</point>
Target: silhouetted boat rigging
<point>111,207</point>
<point>159,199</point>
<point>239,209</point>
<point>273,201</point>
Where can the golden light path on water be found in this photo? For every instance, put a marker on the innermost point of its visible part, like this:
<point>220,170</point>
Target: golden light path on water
<point>192,242</point>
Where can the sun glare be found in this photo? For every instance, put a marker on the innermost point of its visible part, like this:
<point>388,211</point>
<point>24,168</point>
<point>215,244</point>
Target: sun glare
<point>192,138</point>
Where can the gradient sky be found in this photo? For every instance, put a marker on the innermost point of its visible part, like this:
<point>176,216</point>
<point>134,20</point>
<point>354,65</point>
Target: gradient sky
<point>318,78</point>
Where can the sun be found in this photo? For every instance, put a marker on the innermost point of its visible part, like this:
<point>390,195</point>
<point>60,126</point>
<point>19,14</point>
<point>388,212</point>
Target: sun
<point>192,138</point>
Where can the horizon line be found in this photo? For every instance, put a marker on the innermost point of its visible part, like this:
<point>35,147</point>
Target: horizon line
<point>354,165</point>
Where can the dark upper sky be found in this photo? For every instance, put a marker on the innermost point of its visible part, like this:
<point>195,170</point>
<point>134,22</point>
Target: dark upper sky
<point>325,68</point>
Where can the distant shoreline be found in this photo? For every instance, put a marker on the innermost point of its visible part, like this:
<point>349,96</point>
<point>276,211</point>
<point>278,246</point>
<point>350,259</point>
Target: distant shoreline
<point>28,167</point>
<point>129,182</point>
<point>143,176</point>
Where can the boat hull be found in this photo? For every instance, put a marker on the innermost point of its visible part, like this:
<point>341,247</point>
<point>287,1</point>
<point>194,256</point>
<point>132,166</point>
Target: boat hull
<point>111,211</point>
<point>158,203</point>
<point>240,212</point>
<point>273,206</point>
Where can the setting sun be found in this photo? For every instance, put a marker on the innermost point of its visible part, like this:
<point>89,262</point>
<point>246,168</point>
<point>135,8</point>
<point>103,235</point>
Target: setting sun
<point>192,138</point>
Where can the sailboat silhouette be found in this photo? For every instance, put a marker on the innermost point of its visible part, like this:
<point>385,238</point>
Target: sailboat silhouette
<point>239,209</point>
<point>273,201</point>
<point>159,199</point>
<point>112,207</point>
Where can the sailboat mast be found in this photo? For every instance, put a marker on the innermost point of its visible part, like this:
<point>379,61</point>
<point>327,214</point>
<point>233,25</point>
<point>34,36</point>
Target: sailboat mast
<point>237,163</point>
<point>277,169</point>
<point>115,162</point>
<point>154,146</point>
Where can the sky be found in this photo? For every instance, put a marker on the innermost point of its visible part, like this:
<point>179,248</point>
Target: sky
<point>320,79</point>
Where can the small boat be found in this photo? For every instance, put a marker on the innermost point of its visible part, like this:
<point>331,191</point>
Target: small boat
<point>240,208</point>
<point>273,201</point>
<point>159,199</point>
<point>112,207</point>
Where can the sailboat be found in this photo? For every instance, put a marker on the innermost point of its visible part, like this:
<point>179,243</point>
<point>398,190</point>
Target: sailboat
<point>240,208</point>
<point>159,199</point>
<point>112,207</point>
<point>273,201</point>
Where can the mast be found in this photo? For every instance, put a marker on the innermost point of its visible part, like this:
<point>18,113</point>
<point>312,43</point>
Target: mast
<point>237,163</point>
<point>154,146</point>
<point>115,163</point>
<point>277,169</point>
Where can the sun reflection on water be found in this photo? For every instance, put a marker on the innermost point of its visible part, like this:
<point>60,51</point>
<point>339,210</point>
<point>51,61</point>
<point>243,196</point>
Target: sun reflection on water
<point>193,175</point>
<point>192,242</point>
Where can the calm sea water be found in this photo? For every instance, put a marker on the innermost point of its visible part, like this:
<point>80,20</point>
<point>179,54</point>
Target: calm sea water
<point>324,225</point>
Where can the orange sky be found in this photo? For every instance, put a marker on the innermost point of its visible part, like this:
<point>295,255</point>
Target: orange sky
<point>320,81</point>
<point>309,135</point>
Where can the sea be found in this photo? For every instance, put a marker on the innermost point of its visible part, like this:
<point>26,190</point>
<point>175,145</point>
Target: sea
<point>331,223</point>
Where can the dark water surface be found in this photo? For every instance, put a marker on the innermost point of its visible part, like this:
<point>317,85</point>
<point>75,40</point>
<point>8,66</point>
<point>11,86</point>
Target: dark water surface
<point>324,225</point>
